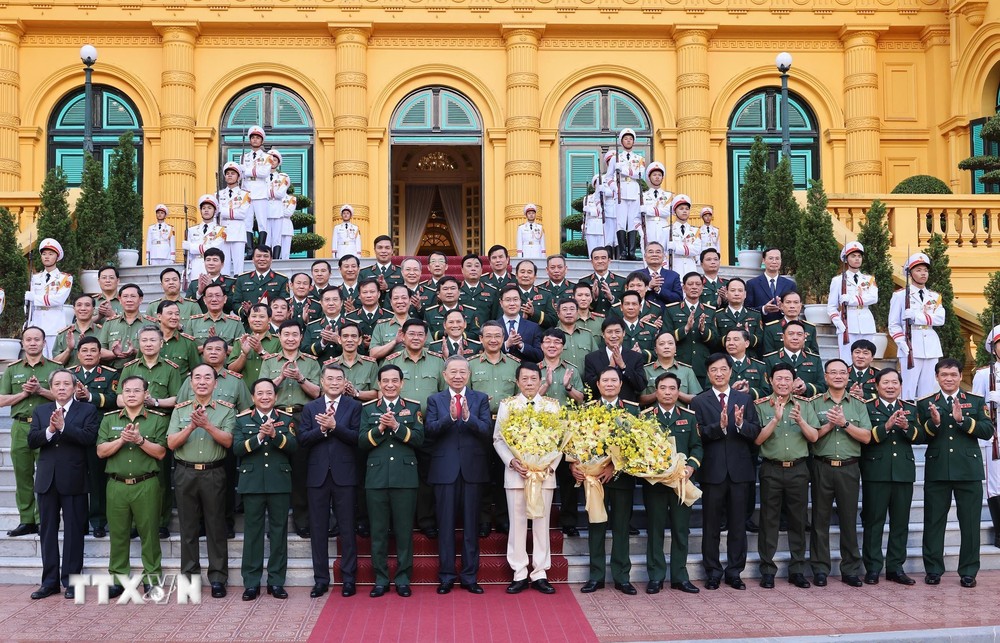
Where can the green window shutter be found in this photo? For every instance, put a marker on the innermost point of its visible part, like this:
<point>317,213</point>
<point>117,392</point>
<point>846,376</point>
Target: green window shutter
<point>293,164</point>
<point>625,113</point>
<point>287,112</point>
<point>751,116</point>
<point>456,113</point>
<point>416,115</point>
<point>72,115</point>
<point>249,112</point>
<point>71,162</point>
<point>117,113</point>
<point>586,114</point>
<point>976,129</point>
<point>581,168</point>
<point>800,170</point>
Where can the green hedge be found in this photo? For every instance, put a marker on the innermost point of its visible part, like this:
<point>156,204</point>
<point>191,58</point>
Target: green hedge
<point>922,184</point>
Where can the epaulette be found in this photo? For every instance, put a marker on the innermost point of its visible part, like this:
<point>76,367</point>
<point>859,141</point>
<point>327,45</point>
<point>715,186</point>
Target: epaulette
<point>316,321</point>
<point>617,305</point>
<point>810,353</point>
<point>106,414</point>
<point>247,412</point>
<point>773,321</point>
<point>159,413</point>
<point>231,316</point>
<point>183,404</point>
<point>191,337</point>
<point>551,399</point>
<point>710,306</point>
<point>508,355</point>
<point>754,360</point>
<point>507,399</point>
<point>806,323</point>
<point>645,323</point>
<point>630,403</point>
<point>63,330</point>
<point>981,368</point>
<point>907,402</point>
<point>169,363</point>
<point>651,409</point>
<point>772,353</point>
<point>201,316</point>
<point>369,402</point>
<point>684,409</point>
<point>435,354</point>
<point>810,399</point>
<point>921,399</point>
<point>487,284</point>
<point>307,356</point>
<point>383,321</point>
<point>366,358</point>
<point>677,361</point>
<point>672,304</point>
<point>135,361</point>
<point>228,405</point>
<point>411,401</point>
<point>108,368</point>
<point>234,374</point>
<point>248,273</point>
<point>762,400</point>
<point>597,315</point>
<point>393,355</point>
<point>17,362</point>
<point>283,412</point>
<point>870,400</point>
<point>971,394</point>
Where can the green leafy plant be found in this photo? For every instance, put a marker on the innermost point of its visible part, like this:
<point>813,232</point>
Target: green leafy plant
<point>816,247</point>
<point>302,220</point>
<point>939,280</point>
<point>54,221</point>
<point>989,164</point>
<point>990,314</point>
<point>573,222</point>
<point>753,199</point>
<point>124,201</point>
<point>921,184</point>
<point>307,242</point>
<point>13,275</point>
<point>92,215</point>
<point>574,248</point>
<point>781,223</point>
<point>874,236</point>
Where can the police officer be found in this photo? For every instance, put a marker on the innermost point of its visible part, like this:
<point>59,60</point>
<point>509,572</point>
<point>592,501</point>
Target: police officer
<point>170,281</point>
<point>215,322</point>
<point>809,380</point>
<point>666,351</point>
<point>178,347</point>
<point>48,291</point>
<point>120,336</point>
<point>249,351</point>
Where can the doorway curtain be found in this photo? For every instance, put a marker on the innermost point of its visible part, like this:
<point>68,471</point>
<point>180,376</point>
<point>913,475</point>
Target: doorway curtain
<point>419,199</point>
<point>451,201</point>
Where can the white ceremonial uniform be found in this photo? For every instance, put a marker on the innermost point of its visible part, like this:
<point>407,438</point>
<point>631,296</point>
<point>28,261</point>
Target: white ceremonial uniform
<point>346,240</point>
<point>530,241</point>
<point>234,209</point>
<point>49,292</point>
<point>287,210</point>
<point>610,189</point>
<point>277,189</point>
<point>861,293</point>
<point>632,167</point>
<point>709,237</point>
<point>593,226</point>
<point>256,166</point>
<point>685,246</point>
<point>981,386</point>
<point>656,213</point>
<point>161,244</point>
<point>927,311</point>
<point>517,539</point>
<point>201,237</point>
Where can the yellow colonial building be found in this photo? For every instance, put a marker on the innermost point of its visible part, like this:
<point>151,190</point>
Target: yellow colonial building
<point>439,119</point>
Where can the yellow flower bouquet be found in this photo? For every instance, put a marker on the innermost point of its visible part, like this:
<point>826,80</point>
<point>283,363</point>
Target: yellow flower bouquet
<point>536,438</point>
<point>590,429</point>
<point>642,448</point>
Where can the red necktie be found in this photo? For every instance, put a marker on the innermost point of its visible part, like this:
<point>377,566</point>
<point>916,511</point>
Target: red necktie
<point>458,404</point>
<point>722,399</point>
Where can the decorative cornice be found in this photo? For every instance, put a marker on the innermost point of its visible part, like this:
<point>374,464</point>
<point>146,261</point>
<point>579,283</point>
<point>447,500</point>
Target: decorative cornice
<point>408,42</point>
<point>50,40</point>
<point>606,43</point>
<point>775,44</point>
<point>300,42</point>
<point>900,45</point>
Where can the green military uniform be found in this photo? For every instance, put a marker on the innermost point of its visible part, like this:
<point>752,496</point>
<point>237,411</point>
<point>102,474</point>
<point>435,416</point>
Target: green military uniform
<point>689,381</point>
<point>774,332</point>
<point>385,332</point>
<point>229,388</point>
<point>200,480</point>
<point>593,324</point>
<point>888,470</point>
<point>133,491</point>
<point>474,319</point>
<point>557,391</point>
<point>101,383</point>
<point>642,336</point>
<point>60,346</point>
<point>865,378</point>
<point>426,296</point>
<point>483,297</point>
<point>662,503</point>
<point>726,319</point>
<point>350,294</point>
<point>647,311</point>
<point>694,346</point>
<point>808,367</point>
<point>228,327</point>
<point>297,309</point>
<point>836,477</point>
<point>616,284</point>
<point>391,483</point>
<point>367,321</point>
<point>227,284</point>
<point>618,492</point>
<point>187,308</point>
<point>23,457</point>
<point>710,293</point>
<point>497,282</point>
<point>784,483</point>
<point>496,379</point>
<point>541,303</point>
<point>251,366</point>
<point>578,344</point>
<point>422,377</point>
<point>265,485</point>
<point>558,292</point>
<point>313,344</point>
<point>954,466</point>
<point>467,348</point>
<point>755,373</point>
<point>120,330</point>
<point>182,350</point>
<point>254,288</point>
<point>392,274</point>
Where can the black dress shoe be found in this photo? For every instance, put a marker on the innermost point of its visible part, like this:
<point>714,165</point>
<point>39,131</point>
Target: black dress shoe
<point>633,531</point>
<point>430,532</point>
<point>736,583</point>
<point>968,581</point>
<point>542,585</point>
<point>302,533</point>
<point>445,588</point>
<point>853,581</point>
<point>517,586</point>
<point>591,586</point>
<point>44,592</point>
<point>871,578</point>
<point>484,530</point>
<point>251,593</point>
<point>932,579</point>
<point>348,590</point>
<point>133,534</point>
<point>752,527</point>
<point>70,593</point>
<point>164,533</point>
<point>571,532</point>
<point>218,590</point>
<point>503,528</point>
<point>378,591</point>
<point>23,529</point>
<point>767,581</point>
<point>404,591</point>
<point>685,586</point>
<point>626,588</point>
<point>115,591</point>
<point>472,588</point>
<point>800,581</point>
<point>100,532</point>
<point>363,531</point>
<point>230,533</point>
<point>820,579</point>
<point>654,586</point>
<point>712,583</point>
<point>899,577</point>
<point>318,590</point>
<point>277,591</point>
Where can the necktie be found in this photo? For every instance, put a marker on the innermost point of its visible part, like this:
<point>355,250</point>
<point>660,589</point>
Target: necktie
<point>722,400</point>
<point>891,408</point>
<point>610,406</point>
<point>656,193</point>
<point>47,277</point>
<point>682,229</point>
<point>773,292</point>
<point>628,155</point>
<point>453,349</point>
<point>255,154</point>
<point>230,193</point>
<point>950,400</point>
<point>333,408</point>
<point>390,407</point>
<point>531,226</point>
<point>921,294</point>
<point>458,404</point>
<point>370,316</point>
<point>669,415</point>
<point>855,278</point>
<point>510,326</point>
<point>795,358</point>
<point>204,229</point>
<point>159,226</point>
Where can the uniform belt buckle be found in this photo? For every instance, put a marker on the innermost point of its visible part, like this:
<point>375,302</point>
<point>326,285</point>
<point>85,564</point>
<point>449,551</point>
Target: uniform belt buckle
<point>129,480</point>
<point>200,467</point>
<point>288,409</point>
<point>787,464</point>
<point>836,463</point>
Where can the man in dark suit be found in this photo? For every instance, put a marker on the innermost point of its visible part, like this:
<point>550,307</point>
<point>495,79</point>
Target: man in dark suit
<point>522,337</point>
<point>728,422</point>
<point>764,291</point>
<point>664,283</point>
<point>330,426</point>
<point>63,431</point>
<point>460,423</point>
<point>629,364</point>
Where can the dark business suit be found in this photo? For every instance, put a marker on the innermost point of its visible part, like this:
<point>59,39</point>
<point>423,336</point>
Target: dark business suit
<point>459,468</point>
<point>61,485</point>
<point>633,375</point>
<point>727,475</point>
<point>332,476</point>
<point>670,290</point>
<point>759,293</point>
<point>531,333</point>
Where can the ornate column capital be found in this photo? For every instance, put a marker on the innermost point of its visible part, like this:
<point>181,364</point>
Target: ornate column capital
<point>350,32</point>
<point>856,35</point>
<point>693,34</point>
<point>11,30</point>
<point>521,34</point>
<point>185,32</point>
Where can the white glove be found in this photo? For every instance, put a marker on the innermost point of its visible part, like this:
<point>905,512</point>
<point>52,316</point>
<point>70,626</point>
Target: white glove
<point>993,396</point>
<point>901,348</point>
<point>910,314</point>
<point>839,323</point>
<point>29,296</point>
<point>846,298</point>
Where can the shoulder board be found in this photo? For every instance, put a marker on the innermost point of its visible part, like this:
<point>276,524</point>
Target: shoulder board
<point>434,354</point>
<point>279,274</point>
<point>383,321</point>
<point>228,405</point>
<point>248,273</point>
<point>410,401</point>
<point>516,359</point>
<point>617,305</point>
<point>507,399</point>
<point>317,321</point>
<point>201,316</point>
<point>307,356</point>
<point>772,322</point>
<point>651,409</point>
<point>754,360</point>
<point>710,306</point>
<point>682,363</point>
<point>366,358</point>
<point>108,413</point>
<point>155,412</point>
<point>597,315</point>
<point>370,402</point>
<point>280,412</point>
<point>909,403</point>
<point>929,395</point>
<point>971,394</point>
<point>550,399</point>
<point>810,399</point>
<point>185,335</point>
<point>810,353</point>
<point>393,355</point>
<point>772,353</point>
<point>238,376</point>
<point>231,316</point>
<point>807,323</point>
<point>135,361</point>
<point>628,403</point>
<point>870,400</point>
<point>488,285</point>
<point>644,323</point>
<point>63,330</point>
<point>183,404</point>
<point>247,412</point>
<point>762,400</point>
<point>685,410</point>
<point>672,304</point>
<point>17,362</point>
<point>109,369</point>
<point>170,363</point>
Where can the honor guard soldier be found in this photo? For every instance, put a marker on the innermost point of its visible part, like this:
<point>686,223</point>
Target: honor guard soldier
<point>609,194</point>
<point>629,168</point>
<point>684,243</point>
<point>954,466</point>
<point>693,326</point>
<point>84,325</point>
<point>809,380</point>
<point>911,325</point>
<point>259,286</point>
<point>132,442</point>
<point>861,381</point>
<point>733,314</point>
<point>986,384</point>
<point>256,166</point>
<point>856,296</point>
<point>161,240</point>
<point>120,336</point>
<point>888,471</point>
<point>263,440</point>
<point>215,322</point>
<point>49,290</point>
<point>383,271</point>
<point>593,216</point>
<point>790,305</point>
<point>346,235</point>
<point>288,207</point>
<point>391,428</point>
<point>205,235</point>
<point>530,235</point>
<point>277,188</point>
<point>234,204</point>
<point>656,206</point>
<point>708,234</point>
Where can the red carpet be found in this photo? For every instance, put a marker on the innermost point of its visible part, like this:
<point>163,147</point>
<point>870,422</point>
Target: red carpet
<point>459,616</point>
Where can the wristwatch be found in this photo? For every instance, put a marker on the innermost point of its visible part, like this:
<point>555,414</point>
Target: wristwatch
<point>569,389</point>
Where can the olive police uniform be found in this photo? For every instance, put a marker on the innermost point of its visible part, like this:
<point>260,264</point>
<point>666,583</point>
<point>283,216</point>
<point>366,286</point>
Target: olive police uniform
<point>269,345</point>
<point>808,367</point>
<point>182,351</point>
<point>498,381</point>
<point>593,324</point>
<point>113,301</point>
<point>60,345</point>
<point>121,330</point>
<point>578,344</point>
<point>228,327</point>
<point>569,492</point>
<point>265,484</point>
<point>689,381</point>
<point>391,483</point>
<point>101,382</point>
<point>187,308</point>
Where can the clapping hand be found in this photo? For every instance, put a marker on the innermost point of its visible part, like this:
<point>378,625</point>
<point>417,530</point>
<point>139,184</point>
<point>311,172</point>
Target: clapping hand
<point>567,377</point>
<point>690,322</point>
<point>266,430</point>
<point>701,323</point>
<point>381,283</point>
<point>898,419</point>
<point>388,421</point>
<point>527,309</point>
<point>56,420</point>
<point>105,310</point>
<point>326,421</point>
<point>70,339</point>
<point>514,339</point>
<point>799,386</point>
<point>199,417</point>
<point>935,415</point>
<point>724,419</point>
<point>771,306</point>
<point>738,410</point>
<point>81,392</point>
<point>31,386</point>
<point>616,356</point>
<point>203,281</point>
<point>956,412</point>
<point>779,411</point>
<point>835,416</point>
<point>796,413</point>
<point>130,433</point>
<point>329,335</point>
<point>857,391</point>
<point>742,386</point>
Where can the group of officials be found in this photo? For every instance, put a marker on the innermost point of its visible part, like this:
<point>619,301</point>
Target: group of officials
<point>375,406</point>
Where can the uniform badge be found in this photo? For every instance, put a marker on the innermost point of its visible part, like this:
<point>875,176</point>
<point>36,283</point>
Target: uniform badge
<point>404,412</point>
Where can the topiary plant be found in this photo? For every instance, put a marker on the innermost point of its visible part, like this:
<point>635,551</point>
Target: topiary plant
<point>753,199</point>
<point>124,201</point>
<point>922,184</point>
<point>13,276</point>
<point>574,248</point>
<point>573,222</point>
<point>92,214</point>
<point>950,334</point>
<point>816,247</point>
<point>989,164</point>
<point>874,236</point>
<point>302,220</point>
<point>781,223</point>
<point>307,242</point>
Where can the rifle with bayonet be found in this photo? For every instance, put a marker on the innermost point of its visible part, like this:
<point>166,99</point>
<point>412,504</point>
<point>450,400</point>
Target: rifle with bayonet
<point>843,296</point>
<point>908,323</point>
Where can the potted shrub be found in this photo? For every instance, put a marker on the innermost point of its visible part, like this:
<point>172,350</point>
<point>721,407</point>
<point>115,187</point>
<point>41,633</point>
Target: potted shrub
<point>92,215</point>
<point>874,236</point>
<point>939,280</point>
<point>14,282</point>
<point>819,255</point>
<point>781,223</point>
<point>753,208</point>
<point>124,202</point>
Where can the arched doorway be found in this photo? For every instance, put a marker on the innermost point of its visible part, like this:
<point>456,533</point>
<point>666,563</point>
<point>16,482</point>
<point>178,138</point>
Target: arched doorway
<point>436,169</point>
<point>759,114</point>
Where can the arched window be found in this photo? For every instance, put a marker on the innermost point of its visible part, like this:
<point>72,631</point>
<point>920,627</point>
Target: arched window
<point>113,115</point>
<point>759,114</point>
<point>288,126</point>
<point>589,126</point>
<point>980,147</point>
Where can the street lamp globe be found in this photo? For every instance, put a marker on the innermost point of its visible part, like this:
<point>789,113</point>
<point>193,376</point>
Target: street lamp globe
<point>88,54</point>
<point>784,62</point>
